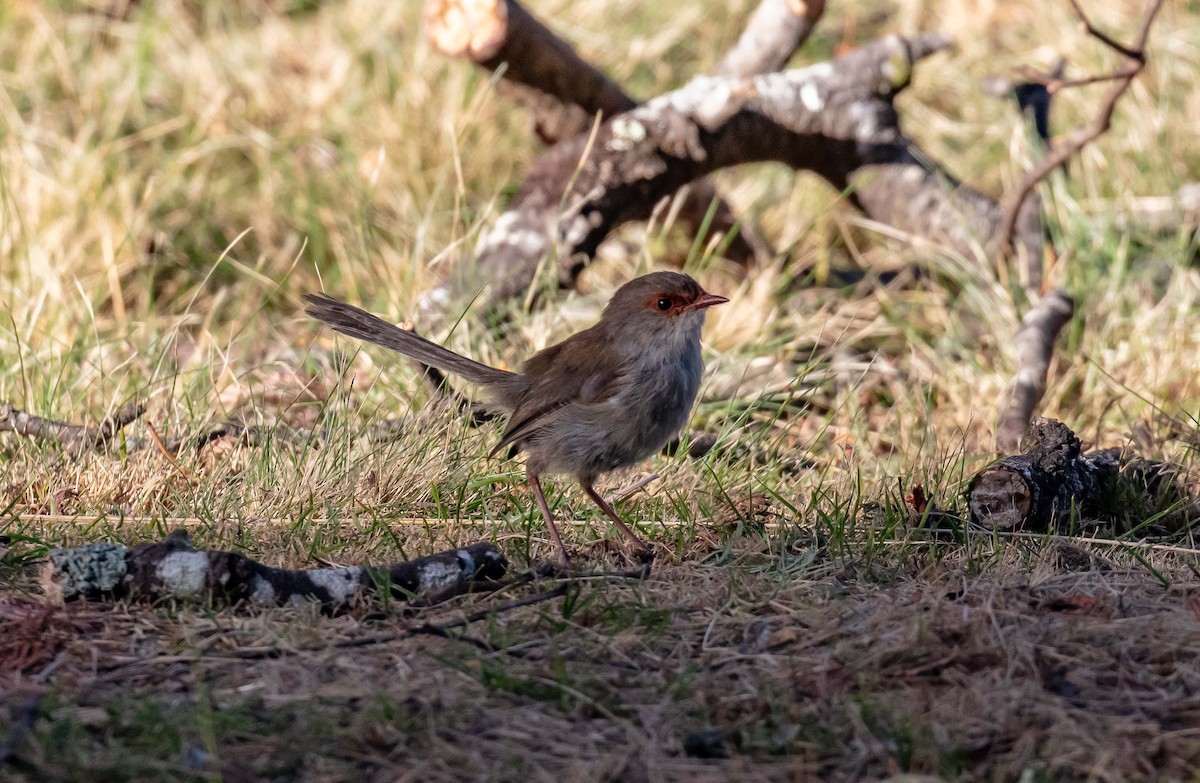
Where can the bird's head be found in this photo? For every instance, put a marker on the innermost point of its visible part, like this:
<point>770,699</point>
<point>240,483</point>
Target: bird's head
<point>660,305</point>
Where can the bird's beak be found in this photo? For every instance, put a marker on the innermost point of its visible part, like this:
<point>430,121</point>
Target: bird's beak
<point>707,300</point>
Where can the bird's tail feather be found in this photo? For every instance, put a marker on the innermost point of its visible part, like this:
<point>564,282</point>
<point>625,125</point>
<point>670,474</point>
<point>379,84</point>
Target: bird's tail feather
<point>353,322</point>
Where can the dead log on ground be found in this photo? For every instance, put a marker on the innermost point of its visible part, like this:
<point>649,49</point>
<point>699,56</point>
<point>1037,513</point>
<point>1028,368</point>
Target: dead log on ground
<point>835,119</point>
<point>1053,486</point>
<point>172,569</point>
<point>565,93</point>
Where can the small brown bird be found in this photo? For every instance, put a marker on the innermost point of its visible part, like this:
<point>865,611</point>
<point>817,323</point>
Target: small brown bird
<point>605,398</point>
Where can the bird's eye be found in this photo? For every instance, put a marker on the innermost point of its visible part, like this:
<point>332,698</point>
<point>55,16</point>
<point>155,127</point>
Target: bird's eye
<point>664,304</point>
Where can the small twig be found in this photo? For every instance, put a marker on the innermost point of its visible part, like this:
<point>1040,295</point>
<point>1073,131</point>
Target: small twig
<point>1136,52</point>
<point>162,448</point>
<point>625,492</point>
<point>1055,83</point>
<point>1082,136</point>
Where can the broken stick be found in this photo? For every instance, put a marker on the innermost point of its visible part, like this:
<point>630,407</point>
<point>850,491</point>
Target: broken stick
<point>1053,486</point>
<point>77,438</point>
<point>173,569</point>
<point>565,93</point>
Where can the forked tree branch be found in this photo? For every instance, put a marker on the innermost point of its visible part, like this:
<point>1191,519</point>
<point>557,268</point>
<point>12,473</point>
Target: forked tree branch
<point>1122,78</point>
<point>564,92</point>
<point>835,119</point>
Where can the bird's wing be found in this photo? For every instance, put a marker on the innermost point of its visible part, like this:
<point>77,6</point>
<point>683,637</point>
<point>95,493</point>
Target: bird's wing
<point>578,371</point>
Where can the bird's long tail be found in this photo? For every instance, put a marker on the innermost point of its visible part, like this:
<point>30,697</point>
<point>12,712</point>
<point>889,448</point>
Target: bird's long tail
<point>353,322</point>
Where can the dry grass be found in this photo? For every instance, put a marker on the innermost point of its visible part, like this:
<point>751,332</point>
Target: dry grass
<point>171,182</point>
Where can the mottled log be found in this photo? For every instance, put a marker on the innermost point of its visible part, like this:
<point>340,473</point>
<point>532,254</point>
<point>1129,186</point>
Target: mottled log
<point>1053,486</point>
<point>1034,346</point>
<point>173,569</point>
<point>836,119</point>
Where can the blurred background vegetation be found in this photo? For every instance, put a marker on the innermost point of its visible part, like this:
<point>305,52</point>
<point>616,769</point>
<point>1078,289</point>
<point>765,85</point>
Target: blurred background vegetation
<point>173,175</point>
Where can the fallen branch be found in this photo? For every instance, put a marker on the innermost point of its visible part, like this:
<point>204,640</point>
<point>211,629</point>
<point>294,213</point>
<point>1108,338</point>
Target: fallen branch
<point>1053,486</point>
<point>77,438</point>
<point>1014,202</point>
<point>1034,345</point>
<point>565,93</point>
<point>543,71</point>
<point>835,119</point>
<point>173,569</point>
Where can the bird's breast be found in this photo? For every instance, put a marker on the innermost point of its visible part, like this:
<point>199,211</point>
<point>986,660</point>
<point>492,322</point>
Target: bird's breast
<point>658,400</point>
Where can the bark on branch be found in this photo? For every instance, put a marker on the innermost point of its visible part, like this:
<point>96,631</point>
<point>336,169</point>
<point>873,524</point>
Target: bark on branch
<point>77,438</point>
<point>172,569</point>
<point>1034,348</point>
<point>776,29</point>
<point>498,34</point>
<point>565,93</point>
<point>1053,486</point>
<point>835,119</point>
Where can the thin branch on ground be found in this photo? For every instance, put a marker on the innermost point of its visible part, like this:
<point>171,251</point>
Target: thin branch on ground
<point>173,569</point>
<point>77,438</point>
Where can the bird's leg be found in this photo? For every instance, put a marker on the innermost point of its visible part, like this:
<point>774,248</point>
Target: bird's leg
<point>633,538</point>
<point>564,558</point>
